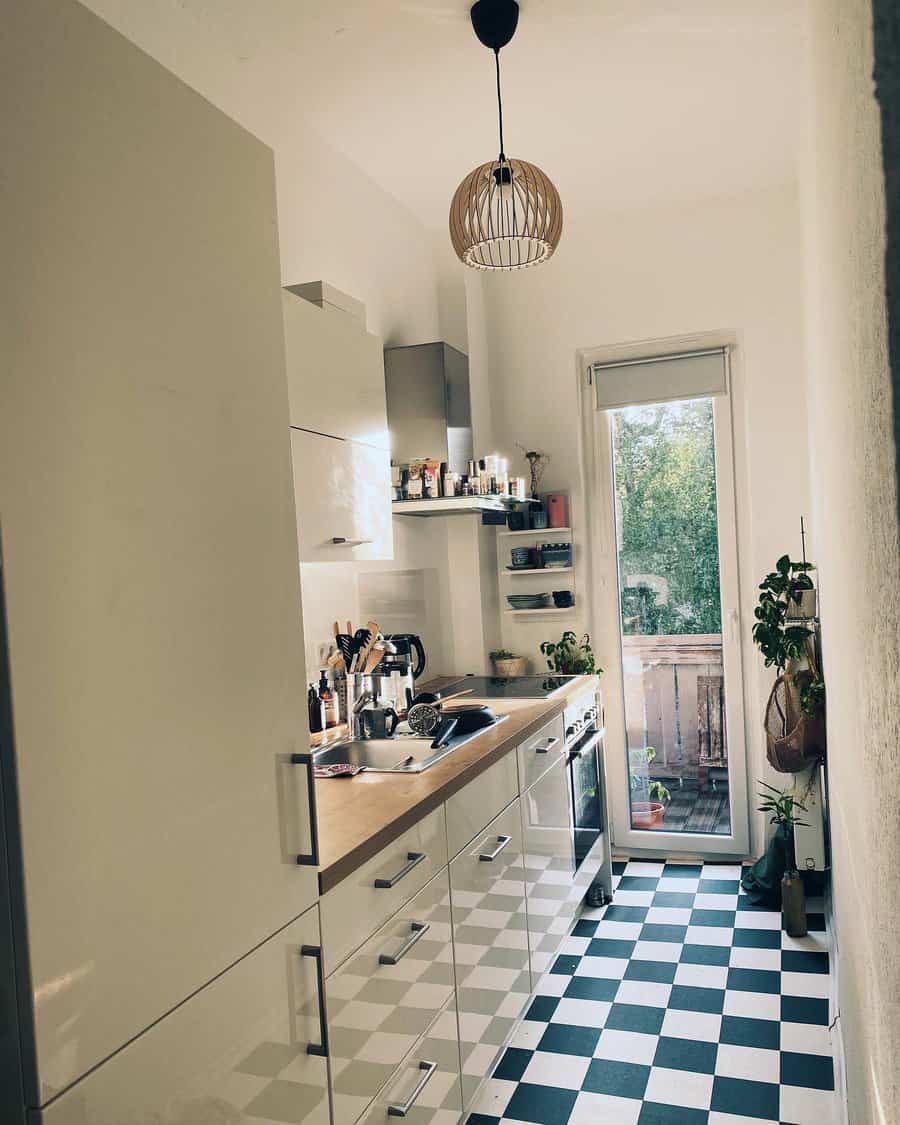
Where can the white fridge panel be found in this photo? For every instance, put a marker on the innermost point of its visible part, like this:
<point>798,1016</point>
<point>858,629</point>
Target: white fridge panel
<point>235,1052</point>
<point>149,548</point>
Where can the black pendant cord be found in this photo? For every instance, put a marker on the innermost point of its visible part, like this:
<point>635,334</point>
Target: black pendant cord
<point>499,104</point>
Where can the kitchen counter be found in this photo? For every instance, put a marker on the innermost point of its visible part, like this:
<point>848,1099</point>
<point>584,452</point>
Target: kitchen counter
<point>359,816</point>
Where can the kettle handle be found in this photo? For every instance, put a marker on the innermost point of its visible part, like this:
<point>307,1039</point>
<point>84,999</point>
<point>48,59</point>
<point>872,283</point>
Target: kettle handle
<point>416,643</point>
<point>395,720</point>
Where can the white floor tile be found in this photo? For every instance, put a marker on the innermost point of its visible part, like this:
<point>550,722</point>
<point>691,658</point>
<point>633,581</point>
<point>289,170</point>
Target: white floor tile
<point>577,946</point>
<point>644,868</point>
<point>703,1026</point>
<point>769,959</point>
<point>708,935</point>
<point>752,1063</point>
<point>633,898</point>
<point>612,968</point>
<point>657,951</point>
<point>806,1038</point>
<point>806,984</point>
<point>620,931</point>
<point>552,984</point>
<point>731,1119</point>
<point>757,920</point>
<point>528,1034</point>
<point>564,1071</point>
<point>626,1046</point>
<point>702,976</point>
<point>679,1087</point>
<point>808,1107</point>
<point>753,1005</point>
<point>668,916</point>
<point>726,871</point>
<point>581,1013</point>
<point>715,902</point>
<point>592,913</point>
<point>812,943</point>
<point>681,886</point>
<point>493,1097</point>
<point>591,1109</point>
<point>643,992</point>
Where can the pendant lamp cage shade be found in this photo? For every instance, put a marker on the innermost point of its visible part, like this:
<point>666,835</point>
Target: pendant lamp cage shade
<point>505,215</point>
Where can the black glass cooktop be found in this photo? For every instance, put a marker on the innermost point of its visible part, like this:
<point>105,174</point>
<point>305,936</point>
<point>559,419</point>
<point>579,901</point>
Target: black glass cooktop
<point>512,687</point>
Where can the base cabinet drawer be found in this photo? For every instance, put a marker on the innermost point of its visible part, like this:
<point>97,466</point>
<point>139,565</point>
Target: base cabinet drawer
<point>537,753</point>
<point>490,934</point>
<point>386,995</point>
<point>246,1048</point>
<point>469,810</point>
<point>549,854</point>
<point>354,909</point>
<point>426,1089</point>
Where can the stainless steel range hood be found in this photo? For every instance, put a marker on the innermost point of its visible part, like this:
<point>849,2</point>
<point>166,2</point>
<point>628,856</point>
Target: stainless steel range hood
<point>428,405</point>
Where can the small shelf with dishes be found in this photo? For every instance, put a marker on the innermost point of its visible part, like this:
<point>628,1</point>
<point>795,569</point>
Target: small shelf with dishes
<point>514,571</point>
<point>537,532</point>
<point>550,609</point>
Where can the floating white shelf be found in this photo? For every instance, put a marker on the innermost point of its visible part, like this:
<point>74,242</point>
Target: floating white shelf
<point>541,570</point>
<point>448,506</point>
<point>547,609</point>
<point>535,532</point>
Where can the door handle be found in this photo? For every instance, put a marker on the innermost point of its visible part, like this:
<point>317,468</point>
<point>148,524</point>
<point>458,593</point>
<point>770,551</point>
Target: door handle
<point>551,742</point>
<point>320,1048</point>
<point>402,1110</point>
<point>413,860</point>
<point>419,930</point>
<point>489,857</point>
<point>312,858</point>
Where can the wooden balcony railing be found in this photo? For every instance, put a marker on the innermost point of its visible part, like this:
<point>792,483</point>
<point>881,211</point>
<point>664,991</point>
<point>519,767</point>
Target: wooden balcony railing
<point>674,702</point>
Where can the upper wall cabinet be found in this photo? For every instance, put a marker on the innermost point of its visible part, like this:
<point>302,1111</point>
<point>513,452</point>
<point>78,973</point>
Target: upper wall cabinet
<point>335,374</point>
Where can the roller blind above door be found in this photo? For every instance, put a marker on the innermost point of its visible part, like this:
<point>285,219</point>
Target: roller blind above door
<point>664,378</point>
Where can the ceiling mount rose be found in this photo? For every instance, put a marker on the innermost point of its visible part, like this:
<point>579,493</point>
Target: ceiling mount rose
<point>506,214</point>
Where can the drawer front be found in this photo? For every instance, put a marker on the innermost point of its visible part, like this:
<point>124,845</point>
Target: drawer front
<point>386,995</point>
<point>426,1086</point>
<point>490,935</point>
<point>475,806</point>
<point>354,909</point>
<point>538,753</point>
<point>549,854</point>
<point>246,1048</point>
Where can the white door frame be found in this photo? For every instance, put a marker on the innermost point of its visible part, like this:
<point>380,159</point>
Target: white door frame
<point>603,601</point>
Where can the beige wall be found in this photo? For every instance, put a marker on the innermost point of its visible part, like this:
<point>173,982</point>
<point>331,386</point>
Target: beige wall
<point>731,264</point>
<point>854,496</point>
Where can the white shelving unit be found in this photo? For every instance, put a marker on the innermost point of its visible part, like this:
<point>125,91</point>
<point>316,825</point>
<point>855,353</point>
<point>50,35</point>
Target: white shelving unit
<point>537,532</point>
<point>550,609</point>
<point>551,575</point>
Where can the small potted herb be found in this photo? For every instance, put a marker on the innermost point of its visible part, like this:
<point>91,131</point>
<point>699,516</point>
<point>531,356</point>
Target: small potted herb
<point>649,809</point>
<point>570,656</point>
<point>507,664</point>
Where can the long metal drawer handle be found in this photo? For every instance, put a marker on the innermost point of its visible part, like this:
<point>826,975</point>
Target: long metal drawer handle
<point>419,930</point>
<point>551,742</point>
<point>402,1110</point>
<point>311,859</point>
<point>320,1049</point>
<point>413,860</point>
<point>502,841</point>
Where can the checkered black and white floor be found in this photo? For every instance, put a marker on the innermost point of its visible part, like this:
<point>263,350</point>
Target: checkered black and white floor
<point>680,1004</point>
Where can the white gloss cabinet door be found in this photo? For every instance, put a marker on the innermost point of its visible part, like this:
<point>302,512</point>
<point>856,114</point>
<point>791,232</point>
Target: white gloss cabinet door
<point>342,491</point>
<point>246,1049</point>
<point>490,942</point>
<point>335,373</point>
<point>549,854</point>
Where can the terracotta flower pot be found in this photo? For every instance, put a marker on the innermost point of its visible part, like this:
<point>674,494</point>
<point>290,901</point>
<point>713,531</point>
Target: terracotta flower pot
<point>647,814</point>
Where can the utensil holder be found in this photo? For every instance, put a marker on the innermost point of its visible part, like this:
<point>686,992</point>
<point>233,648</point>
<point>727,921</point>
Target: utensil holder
<point>351,689</point>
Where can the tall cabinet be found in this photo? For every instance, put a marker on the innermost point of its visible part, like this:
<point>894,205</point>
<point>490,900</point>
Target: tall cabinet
<point>154,808</point>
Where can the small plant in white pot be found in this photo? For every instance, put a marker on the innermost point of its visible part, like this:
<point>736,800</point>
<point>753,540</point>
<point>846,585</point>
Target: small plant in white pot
<point>507,664</point>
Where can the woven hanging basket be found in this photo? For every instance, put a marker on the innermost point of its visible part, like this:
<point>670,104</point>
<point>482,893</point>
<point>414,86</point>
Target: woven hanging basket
<point>793,740</point>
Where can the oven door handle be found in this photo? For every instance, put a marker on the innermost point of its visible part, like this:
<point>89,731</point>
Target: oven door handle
<point>576,751</point>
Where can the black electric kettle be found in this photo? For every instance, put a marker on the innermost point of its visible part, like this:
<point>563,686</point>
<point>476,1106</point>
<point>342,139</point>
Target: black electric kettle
<point>409,657</point>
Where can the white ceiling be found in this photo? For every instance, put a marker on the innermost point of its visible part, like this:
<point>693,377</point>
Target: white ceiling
<point>621,102</point>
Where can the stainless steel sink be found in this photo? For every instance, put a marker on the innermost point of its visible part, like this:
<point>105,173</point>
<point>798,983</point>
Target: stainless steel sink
<point>404,753</point>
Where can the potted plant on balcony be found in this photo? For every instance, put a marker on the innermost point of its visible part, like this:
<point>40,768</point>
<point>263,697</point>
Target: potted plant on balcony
<point>648,798</point>
<point>507,664</point>
<point>570,656</point>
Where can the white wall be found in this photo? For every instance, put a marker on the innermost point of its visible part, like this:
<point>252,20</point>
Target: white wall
<point>855,500</point>
<point>732,264</point>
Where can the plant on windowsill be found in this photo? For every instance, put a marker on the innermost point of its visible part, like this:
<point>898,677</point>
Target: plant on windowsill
<point>785,632</point>
<point>507,664</point>
<point>652,796</point>
<point>570,656</point>
<point>778,867</point>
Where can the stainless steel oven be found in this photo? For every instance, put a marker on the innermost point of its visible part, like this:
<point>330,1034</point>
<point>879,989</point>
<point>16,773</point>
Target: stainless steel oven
<point>583,747</point>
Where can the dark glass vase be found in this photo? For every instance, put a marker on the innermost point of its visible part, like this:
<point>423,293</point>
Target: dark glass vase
<point>793,904</point>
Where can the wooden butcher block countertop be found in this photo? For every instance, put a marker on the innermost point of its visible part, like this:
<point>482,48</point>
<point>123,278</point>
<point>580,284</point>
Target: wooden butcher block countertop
<point>359,816</point>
